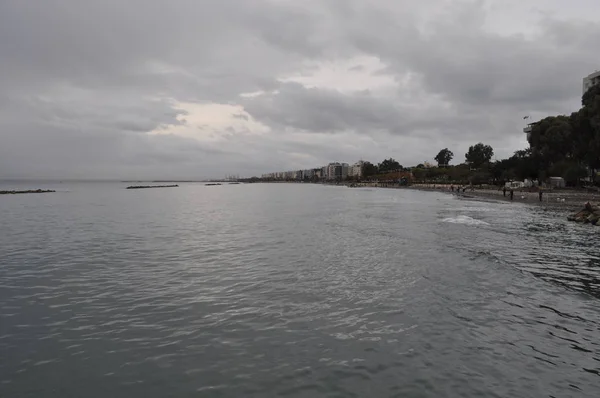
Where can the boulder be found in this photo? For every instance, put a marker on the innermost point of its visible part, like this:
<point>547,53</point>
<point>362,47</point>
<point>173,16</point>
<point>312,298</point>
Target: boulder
<point>590,214</point>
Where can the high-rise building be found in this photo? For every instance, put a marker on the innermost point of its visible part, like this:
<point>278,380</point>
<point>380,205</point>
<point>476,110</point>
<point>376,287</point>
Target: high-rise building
<point>356,169</point>
<point>345,168</point>
<point>591,81</point>
<point>331,170</point>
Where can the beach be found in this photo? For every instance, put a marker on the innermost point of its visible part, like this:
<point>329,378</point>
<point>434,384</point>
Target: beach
<point>557,198</point>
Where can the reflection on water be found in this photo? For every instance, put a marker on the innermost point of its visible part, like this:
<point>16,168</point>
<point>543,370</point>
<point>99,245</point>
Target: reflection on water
<point>293,290</point>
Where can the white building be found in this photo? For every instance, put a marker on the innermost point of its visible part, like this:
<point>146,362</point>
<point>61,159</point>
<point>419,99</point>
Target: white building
<point>591,81</point>
<point>337,171</point>
<point>290,175</point>
<point>331,169</point>
<point>356,169</point>
<point>527,130</point>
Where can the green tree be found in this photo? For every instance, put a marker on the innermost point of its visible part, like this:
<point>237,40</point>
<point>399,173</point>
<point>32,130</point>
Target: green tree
<point>552,140</point>
<point>519,166</point>
<point>444,157</point>
<point>479,154</point>
<point>436,174</point>
<point>389,165</point>
<point>590,96</point>
<point>369,170</point>
<point>459,173</point>
<point>574,173</point>
<point>586,130</point>
<point>419,173</point>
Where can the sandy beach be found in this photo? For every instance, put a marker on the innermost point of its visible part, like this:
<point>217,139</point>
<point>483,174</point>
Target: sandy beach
<point>559,199</point>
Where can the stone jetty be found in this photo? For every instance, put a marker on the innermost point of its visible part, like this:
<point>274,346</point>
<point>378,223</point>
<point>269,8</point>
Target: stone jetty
<point>151,186</point>
<point>590,214</point>
<point>28,191</point>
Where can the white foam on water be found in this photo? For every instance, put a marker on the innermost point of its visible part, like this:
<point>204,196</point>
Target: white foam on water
<point>466,220</point>
<point>474,209</point>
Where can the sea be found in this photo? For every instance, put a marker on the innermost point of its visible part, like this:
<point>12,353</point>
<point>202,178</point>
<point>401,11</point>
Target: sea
<point>292,290</point>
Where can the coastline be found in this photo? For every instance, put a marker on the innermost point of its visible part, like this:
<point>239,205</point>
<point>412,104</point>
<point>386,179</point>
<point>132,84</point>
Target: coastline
<point>559,200</point>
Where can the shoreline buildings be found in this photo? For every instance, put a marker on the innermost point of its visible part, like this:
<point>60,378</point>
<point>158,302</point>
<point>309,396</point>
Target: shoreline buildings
<point>334,171</point>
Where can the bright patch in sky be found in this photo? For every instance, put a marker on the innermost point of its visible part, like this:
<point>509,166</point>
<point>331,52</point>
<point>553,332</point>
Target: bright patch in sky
<point>212,122</point>
<point>346,75</point>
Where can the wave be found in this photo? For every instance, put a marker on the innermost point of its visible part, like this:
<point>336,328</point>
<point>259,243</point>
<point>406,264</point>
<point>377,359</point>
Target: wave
<point>474,209</point>
<point>465,220</point>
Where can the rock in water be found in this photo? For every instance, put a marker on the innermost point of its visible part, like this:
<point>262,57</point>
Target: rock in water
<point>590,214</point>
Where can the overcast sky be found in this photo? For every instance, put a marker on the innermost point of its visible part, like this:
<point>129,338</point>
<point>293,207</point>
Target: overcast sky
<point>204,88</point>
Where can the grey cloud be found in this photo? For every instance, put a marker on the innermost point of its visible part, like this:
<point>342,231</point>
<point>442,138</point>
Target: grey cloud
<point>49,152</point>
<point>81,111</point>
<point>240,116</point>
<point>356,68</point>
<point>83,82</point>
<point>329,111</point>
<point>478,68</point>
<point>182,48</point>
<point>318,110</point>
<point>487,80</point>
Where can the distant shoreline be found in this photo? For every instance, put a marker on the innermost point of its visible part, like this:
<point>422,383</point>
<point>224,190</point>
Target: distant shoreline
<point>27,191</point>
<point>160,181</point>
<point>151,186</point>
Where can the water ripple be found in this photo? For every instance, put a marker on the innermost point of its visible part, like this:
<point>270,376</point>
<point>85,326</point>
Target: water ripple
<point>291,290</point>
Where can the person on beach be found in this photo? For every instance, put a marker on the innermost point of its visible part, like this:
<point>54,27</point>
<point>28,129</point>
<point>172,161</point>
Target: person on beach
<point>504,191</point>
<point>540,195</point>
<point>512,194</point>
<point>452,187</point>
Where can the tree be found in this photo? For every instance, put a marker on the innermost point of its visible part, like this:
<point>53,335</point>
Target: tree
<point>444,157</point>
<point>479,154</point>
<point>389,165</point>
<point>520,166</point>
<point>585,133</point>
<point>419,174</point>
<point>574,173</point>
<point>459,173</point>
<point>369,170</point>
<point>551,141</point>
<point>590,96</point>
